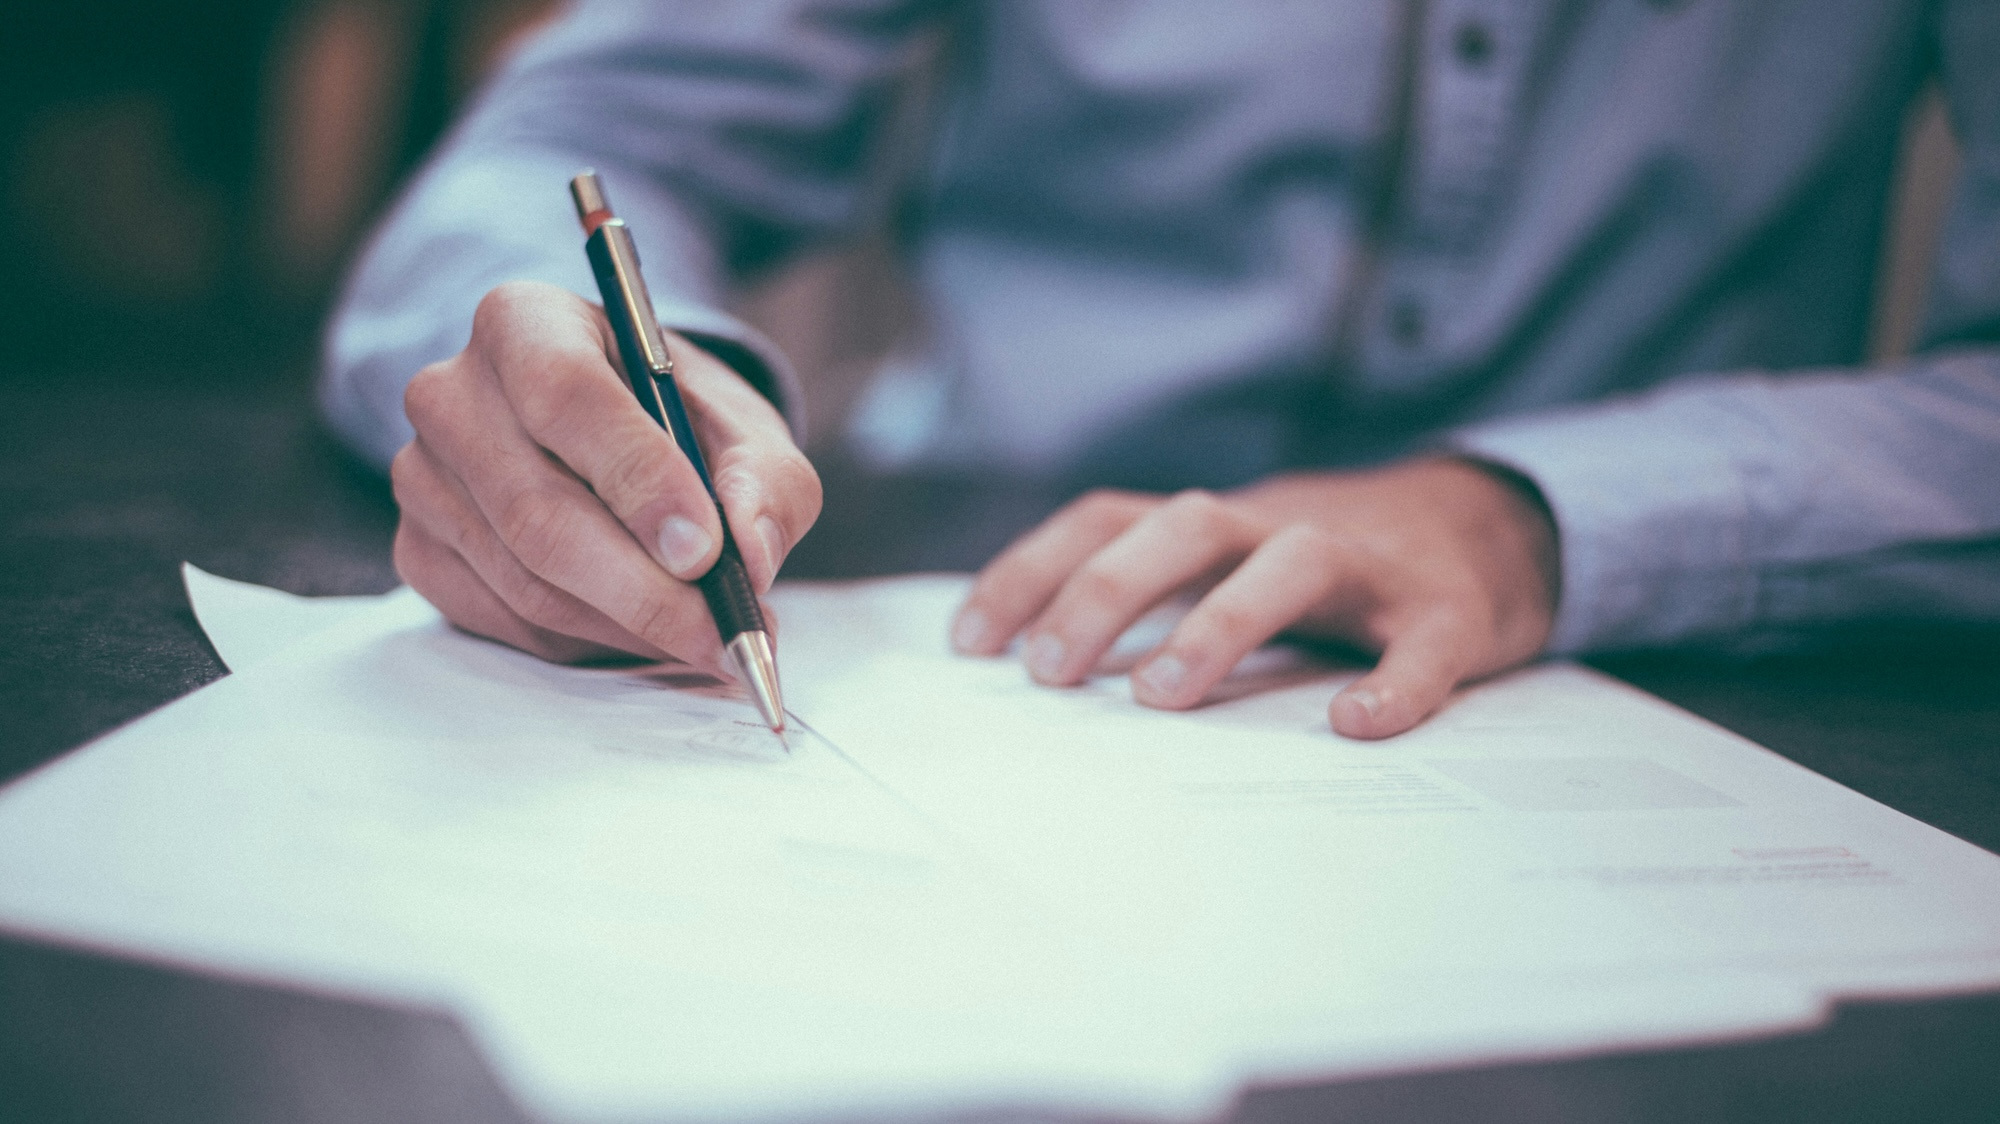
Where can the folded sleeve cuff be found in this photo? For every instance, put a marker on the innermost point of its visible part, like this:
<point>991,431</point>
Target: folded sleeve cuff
<point>1651,515</point>
<point>745,350</point>
<point>456,236</point>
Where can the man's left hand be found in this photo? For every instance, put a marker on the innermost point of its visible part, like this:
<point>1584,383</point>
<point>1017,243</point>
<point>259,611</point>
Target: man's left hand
<point>1446,568</point>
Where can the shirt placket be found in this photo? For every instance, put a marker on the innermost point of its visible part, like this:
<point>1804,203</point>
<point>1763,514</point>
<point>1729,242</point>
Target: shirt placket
<point>1470,81</point>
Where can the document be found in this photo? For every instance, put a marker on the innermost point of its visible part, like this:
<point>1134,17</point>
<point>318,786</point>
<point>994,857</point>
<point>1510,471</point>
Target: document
<point>951,891</point>
<point>248,623</point>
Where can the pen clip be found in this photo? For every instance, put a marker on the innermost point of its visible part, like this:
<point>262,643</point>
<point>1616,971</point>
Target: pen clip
<point>593,209</point>
<point>631,286</point>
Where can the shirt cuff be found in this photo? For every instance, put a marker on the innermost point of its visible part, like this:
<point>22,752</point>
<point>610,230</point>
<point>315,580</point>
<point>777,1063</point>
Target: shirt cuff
<point>411,301</point>
<point>1651,517</point>
<point>744,350</point>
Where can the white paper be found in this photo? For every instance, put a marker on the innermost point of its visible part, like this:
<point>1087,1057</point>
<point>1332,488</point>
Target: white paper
<point>250,623</point>
<point>1554,822</point>
<point>971,893</point>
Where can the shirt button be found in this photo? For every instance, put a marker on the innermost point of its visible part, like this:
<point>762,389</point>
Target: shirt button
<point>1406,321</point>
<point>1472,43</point>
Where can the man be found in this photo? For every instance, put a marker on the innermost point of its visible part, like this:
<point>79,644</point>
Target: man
<point>1514,326</point>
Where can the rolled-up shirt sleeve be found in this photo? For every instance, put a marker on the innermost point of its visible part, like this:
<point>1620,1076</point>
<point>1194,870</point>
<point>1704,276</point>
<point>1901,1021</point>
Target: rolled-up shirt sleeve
<point>726,135</point>
<point>1745,509</point>
<point>1748,508</point>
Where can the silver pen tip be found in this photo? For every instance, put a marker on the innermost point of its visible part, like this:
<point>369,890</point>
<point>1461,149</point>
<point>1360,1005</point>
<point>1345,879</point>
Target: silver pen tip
<point>758,666</point>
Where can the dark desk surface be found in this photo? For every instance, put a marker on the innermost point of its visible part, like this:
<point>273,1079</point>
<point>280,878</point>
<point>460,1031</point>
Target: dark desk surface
<point>106,486</point>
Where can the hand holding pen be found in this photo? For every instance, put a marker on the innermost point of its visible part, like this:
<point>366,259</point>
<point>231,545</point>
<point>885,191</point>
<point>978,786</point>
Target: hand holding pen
<point>543,507</point>
<point>649,369</point>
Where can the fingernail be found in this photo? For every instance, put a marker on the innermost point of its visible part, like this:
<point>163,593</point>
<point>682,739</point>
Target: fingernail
<point>968,633</point>
<point>1044,656</point>
<point>1356,711</point>
<point>773,540</point>
<point>1163,677</point>
<point>683,544</point>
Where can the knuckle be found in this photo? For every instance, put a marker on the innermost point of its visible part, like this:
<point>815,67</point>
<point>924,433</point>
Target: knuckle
<point>662,619</point>
<point>784,481</point>
<point>516,587</point>
<point>1097,586</point>
<point>1200,512</point>
<point>632,476</point>
<point>404,474</point>
<point>412,559</point>
<point>503,304</point>
<point>738,481</point>
<point>1313,546</point>
<point>795,477</point>
<point>551,384</point>
<point>427,398</point>
<point>1104,508</point>
<point>532,523</point>
<point>539,604</point>
<point>1228,623</point>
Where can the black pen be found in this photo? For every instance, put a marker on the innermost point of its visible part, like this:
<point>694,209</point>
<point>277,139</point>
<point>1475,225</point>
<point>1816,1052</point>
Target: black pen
<point>649,368</point>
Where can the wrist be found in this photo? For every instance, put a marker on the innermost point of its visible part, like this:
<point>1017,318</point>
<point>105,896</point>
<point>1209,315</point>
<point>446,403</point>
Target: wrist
<point>1526,525</point>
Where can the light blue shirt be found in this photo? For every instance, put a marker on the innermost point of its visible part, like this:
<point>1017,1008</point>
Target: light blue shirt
<point>1623,247</point>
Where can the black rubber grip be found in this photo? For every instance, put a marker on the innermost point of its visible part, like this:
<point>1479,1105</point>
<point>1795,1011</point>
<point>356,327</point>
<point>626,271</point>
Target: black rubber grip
<point>730,598</point>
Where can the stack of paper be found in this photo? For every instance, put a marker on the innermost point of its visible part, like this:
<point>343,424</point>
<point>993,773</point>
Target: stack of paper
<point>954,891</point>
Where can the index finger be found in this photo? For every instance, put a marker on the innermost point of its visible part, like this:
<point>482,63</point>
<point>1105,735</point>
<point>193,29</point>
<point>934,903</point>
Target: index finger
<point>554,362</point>
<point>766,485</point>
<point>1014,588</point>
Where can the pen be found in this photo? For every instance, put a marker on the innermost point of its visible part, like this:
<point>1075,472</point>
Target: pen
<point>649,368</point>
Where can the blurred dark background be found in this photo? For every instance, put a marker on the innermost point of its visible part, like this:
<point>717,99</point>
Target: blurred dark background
<point>181,182</point>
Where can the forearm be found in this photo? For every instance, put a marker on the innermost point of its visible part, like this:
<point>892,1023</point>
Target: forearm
<point>475,220</point>
<point>718,129</point>
<point>1735,508</point>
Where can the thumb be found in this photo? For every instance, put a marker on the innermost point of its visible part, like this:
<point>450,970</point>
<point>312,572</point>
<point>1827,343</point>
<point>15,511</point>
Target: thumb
<point>1417,671</point>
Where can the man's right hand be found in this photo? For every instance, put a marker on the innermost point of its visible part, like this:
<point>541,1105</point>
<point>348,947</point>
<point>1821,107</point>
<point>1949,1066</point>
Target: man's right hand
<point>543,508</point>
